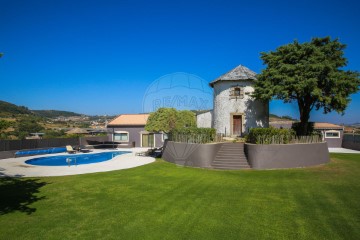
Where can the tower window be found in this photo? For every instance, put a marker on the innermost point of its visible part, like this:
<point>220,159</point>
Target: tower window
<point>237,92</point>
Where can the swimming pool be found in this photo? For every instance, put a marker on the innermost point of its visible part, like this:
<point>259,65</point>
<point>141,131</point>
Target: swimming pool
<point>75,159</point>
<point>40,151</point>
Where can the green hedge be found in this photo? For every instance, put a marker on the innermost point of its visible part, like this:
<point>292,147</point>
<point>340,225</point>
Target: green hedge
<point>192,135</point>
<point>270,136</point>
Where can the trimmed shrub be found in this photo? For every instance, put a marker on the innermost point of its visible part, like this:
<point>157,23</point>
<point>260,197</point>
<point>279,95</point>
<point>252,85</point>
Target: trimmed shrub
<point>270,136</point>
<point>192,135</point>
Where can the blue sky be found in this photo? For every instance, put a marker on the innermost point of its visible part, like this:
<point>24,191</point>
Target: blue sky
<point>99,57</point>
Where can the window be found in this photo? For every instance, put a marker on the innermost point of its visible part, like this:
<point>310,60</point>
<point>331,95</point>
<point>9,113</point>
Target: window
<point>237,92</point>
<point>121,136</point>
<point>332,134</point>
<point>164,136</point>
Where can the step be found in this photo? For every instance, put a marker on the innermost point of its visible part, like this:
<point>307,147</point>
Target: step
<point>231,148</point>
<point>230,157</point>
<point>231,168</point>
<point>230,151</point>
<point>229,162</point>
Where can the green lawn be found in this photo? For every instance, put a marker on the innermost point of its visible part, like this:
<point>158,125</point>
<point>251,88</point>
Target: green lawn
<point>164,201</point>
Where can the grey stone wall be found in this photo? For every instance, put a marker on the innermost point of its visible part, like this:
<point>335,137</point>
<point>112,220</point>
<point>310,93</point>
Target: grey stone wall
<point>188,154</point>
<point>286,155</point>
<point>259,156</point>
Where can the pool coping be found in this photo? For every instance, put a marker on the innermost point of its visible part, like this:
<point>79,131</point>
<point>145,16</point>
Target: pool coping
<point>16,167</point>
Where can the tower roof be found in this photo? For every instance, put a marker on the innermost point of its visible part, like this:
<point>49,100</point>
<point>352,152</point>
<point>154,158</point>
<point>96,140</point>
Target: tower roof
<point>238,73</point>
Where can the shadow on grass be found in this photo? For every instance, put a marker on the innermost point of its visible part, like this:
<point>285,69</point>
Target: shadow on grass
<point>18,194</point>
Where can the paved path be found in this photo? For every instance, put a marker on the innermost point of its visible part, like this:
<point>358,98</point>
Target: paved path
<point>342,150</point>
<point>16,167</point>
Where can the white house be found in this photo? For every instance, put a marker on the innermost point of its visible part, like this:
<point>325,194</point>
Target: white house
<point>235,110</point>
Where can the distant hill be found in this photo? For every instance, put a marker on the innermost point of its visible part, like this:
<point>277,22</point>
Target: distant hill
<point>55,113</point>
<point>9,109</point>
<point>274,117</point>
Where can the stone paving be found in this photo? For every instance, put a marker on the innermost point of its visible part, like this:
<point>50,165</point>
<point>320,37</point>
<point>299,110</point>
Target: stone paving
<point>342,150</point>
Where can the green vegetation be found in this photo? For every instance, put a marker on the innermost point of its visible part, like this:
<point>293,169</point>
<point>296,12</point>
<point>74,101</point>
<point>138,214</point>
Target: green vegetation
<point>270,135</point>
<point>164,201</point>
<point>54,113</point>
<point>27,125</point>
<point>168,119</point>
<point>282,117</point>
<point>309,73</point>
<point>193,135</point>
<point>280,136</point>
<point>9,109</point>
<point>4,125</point>
<point>54,134</point>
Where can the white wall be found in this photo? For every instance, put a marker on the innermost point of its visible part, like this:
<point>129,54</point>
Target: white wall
<point>204,120</point>
<point>255,113</point>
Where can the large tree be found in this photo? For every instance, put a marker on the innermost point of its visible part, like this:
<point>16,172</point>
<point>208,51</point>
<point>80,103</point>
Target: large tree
<point>309,73</point>
<point>167,119</point>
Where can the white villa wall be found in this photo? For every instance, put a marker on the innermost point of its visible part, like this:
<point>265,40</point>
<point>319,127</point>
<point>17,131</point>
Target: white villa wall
<point>204,120</point>
<point>255,113</point>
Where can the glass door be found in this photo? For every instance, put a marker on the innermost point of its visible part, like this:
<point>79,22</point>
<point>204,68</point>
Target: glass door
<point>147,140</point>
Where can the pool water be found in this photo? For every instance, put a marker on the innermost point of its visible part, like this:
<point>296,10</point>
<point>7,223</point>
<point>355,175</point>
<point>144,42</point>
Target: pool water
<point>74,159</point>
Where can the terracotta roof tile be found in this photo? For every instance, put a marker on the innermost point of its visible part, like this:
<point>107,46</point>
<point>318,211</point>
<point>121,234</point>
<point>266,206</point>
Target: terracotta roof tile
<point>323,125</point>
<point>130,119</point>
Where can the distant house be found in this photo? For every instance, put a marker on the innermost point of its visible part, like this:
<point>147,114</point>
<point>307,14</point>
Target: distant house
<point>129,128</point>
<point>331,133</point>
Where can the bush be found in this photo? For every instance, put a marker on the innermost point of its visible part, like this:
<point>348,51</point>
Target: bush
<point>270,136</point>
<point>192,135</point>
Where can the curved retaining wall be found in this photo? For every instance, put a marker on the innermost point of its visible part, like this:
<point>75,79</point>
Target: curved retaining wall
<point>286,155</point>
<point>191,154</point>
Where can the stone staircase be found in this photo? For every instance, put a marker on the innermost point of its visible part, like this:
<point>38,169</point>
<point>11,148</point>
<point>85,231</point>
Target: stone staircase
<point>231,156</point>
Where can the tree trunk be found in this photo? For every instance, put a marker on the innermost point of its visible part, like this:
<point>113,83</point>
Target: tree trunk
<point>304,109</point>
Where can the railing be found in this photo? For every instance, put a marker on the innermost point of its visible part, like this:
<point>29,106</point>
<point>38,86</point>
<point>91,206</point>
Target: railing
<point>70,160</point>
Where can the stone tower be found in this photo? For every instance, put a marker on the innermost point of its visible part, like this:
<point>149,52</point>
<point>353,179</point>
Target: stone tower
<point>235,111</point>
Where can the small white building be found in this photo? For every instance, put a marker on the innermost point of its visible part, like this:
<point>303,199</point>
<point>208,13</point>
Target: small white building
<point>235,110</point>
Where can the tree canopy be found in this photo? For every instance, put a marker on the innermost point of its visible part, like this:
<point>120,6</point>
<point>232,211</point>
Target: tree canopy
<point>167,119</point>
<point>310,73</point>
